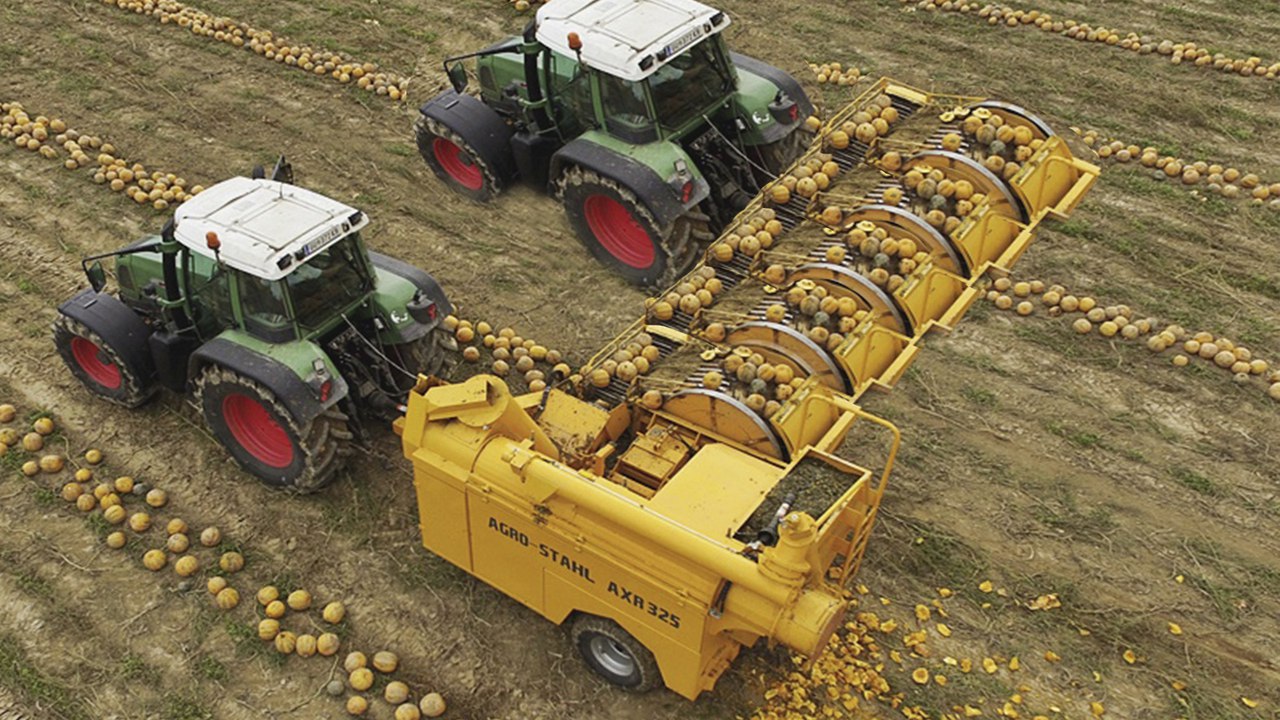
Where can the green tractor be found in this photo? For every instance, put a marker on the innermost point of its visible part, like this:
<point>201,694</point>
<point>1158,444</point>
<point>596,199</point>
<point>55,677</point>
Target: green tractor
<point>634,113</point>
<point>260,297</point>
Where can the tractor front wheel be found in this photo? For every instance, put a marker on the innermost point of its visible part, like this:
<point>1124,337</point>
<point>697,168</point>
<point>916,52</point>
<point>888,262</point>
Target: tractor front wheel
<point>98,365</point>
<point>614,655</point>
<point>265,439</point>
<point>621,233</point>
<point>454,161</point>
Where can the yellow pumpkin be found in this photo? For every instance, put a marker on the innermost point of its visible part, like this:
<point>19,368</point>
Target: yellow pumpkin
<point>115,514</point>
<point>396,692</point>
<point>305,645</point>
<point>139,522</point>
<point>44,425</point>
<point>334,612</point>
<point>116,540</point>
<point>432,705</point>
<point>385,661</point>
<point>231,562</point>
<point>155,560</point>
<point>227,598</point>
<point>357,705</point>
<point>299,600</point>
<point>361,679</point>
<point>354,661</point>
<point>175,526</point>
<point>216,584</point>
<point>187,565</point>
<point>85,502</point>
<point>210,537</point>
<point>327,644</point>
<point>275,609</point>
<point>408,711</point>
<point>177,543</point>
<point>157,498</point>
<point>33,442</point>
<point>286,642</point>
<point>268,629</point>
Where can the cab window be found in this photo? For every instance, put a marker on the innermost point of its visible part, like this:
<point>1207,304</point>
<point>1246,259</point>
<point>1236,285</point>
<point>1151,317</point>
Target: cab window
<point>262,304</point>
<point>626,109</point>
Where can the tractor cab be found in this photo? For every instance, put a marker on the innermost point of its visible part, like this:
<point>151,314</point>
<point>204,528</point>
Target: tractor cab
<point>277,260</point>
<point>652,70</point>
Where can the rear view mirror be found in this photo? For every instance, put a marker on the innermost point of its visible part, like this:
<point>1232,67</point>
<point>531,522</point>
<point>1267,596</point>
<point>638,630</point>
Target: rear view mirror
<point>458,77</point>
<point>97,276</point>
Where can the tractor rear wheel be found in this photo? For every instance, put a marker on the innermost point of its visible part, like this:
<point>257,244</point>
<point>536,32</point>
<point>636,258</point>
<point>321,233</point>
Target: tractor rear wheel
<point>614,655</point>
<point>454,161</point>
<point>265,439</point>
<point>621,233</point>
<point>98,365</point>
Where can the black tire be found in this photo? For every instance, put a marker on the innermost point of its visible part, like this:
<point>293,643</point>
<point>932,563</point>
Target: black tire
<point>435,353</point>
<point>622,234</point>
<point>779,155</point>
<point>99,366</point>
<point>454,161</point>
<point>265,439</point>
<point>613,654</point>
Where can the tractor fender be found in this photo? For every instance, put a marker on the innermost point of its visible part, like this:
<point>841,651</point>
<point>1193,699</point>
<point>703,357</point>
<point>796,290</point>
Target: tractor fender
<point>779,79</point>
<point>398,284</point>
<point>300,397</point>
<point>483,129</point>
<point>660,194</point>
<point>118,325</point>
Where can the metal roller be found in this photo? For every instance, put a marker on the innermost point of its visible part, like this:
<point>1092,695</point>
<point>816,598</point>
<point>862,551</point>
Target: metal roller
<point>962,167</point>
<point>778,342</point>
<point>870,296</point>
<point>726,416</point>
<point>928,238</point>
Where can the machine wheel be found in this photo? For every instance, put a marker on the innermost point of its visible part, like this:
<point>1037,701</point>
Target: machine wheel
<point>99,365</point>
<point>613,654</point>
<point>621,233</point>
<point>264,438</point>
<point>777,156</point>
<point>435,353</point>
<point>454,161</point>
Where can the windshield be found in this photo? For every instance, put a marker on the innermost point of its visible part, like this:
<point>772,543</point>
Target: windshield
<point>683,88</point>
<point>327,282</point>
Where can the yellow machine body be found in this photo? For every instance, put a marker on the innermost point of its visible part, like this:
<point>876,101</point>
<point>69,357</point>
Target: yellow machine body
<point>497,498</point>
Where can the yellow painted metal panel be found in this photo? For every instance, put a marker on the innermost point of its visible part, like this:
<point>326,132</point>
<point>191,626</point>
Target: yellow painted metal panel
<point>716,491</point>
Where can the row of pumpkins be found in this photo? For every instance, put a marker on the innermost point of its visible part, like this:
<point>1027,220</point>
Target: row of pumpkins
<point>54,139</point>
<point>1120,321</point>
<point>1179,53</point>
<point>1222,180</point>
<point>337,65</point>
<point>109,500</point>
<point>835,73</point>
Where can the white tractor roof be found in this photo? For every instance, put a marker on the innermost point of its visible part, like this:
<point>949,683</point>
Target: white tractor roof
<point>618,34</point>
<point>266,228</point>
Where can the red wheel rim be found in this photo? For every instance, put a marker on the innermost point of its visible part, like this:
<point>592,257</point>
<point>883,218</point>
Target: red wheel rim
<point>618,231</point>
<point>458,164</point>
<point>257,431</point>
<point>95,363</point>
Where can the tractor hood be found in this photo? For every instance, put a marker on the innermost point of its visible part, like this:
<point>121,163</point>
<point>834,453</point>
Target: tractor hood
<point>629,39</point>
<point>264,227</point>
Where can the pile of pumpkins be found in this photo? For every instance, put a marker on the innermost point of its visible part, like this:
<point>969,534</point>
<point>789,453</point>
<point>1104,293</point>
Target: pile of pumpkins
<point>633,359</point>
<point>510,355</point>
<point>1000,146</point>
<point>1224,181</point>
<point>756,234</point>
<point>835,73</point>
<point>337,65</point>
<point>762,386</point>
<point>110,499</point>
<point>812,310</point>
<point>53,139</point>
<point>701,288</point>
<point>1178,52</point>
<point>1120,321</point>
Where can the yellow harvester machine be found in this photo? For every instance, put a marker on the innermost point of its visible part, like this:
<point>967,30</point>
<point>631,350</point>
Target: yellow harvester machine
<point>708,479</point>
